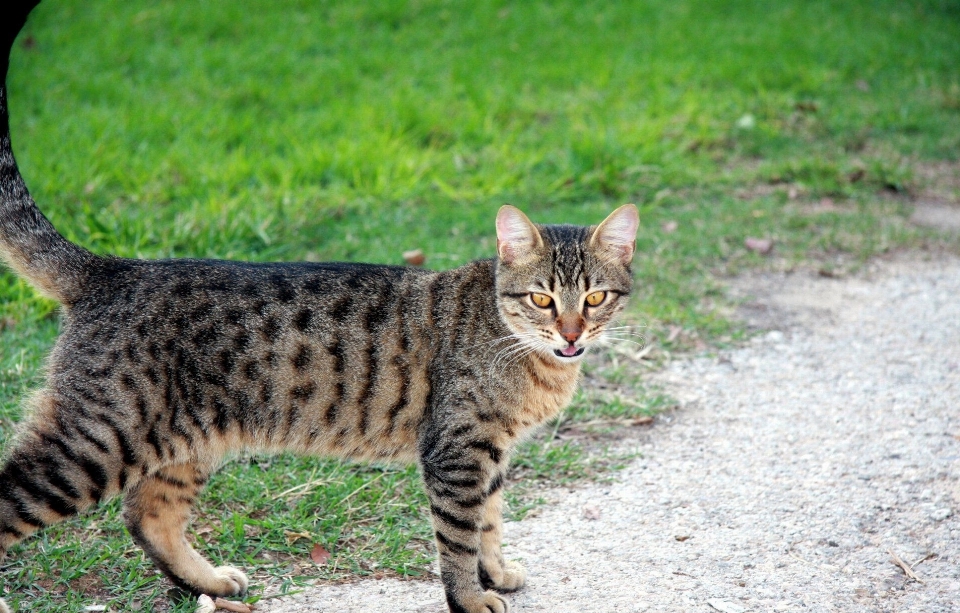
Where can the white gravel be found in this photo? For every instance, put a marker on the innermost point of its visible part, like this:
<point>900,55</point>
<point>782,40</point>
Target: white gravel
<point>794,466</point>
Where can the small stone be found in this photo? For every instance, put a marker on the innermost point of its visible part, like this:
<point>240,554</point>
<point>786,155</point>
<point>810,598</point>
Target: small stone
<point>941,514</point>
<point>205,604</point>
<point>725,606</point>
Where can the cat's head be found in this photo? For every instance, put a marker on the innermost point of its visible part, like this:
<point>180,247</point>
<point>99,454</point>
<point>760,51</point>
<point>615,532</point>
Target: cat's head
<point>559,286</point>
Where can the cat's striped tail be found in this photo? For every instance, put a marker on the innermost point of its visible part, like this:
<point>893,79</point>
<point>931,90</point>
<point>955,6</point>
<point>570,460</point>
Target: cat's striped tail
<point>28,241</point>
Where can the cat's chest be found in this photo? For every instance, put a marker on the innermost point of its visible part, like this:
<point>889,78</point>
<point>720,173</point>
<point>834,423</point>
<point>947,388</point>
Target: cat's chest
<point>547,390</point>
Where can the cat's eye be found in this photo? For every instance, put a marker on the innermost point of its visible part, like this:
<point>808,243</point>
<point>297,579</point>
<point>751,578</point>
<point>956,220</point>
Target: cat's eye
<point>541,300</point>
<point>596,298</point>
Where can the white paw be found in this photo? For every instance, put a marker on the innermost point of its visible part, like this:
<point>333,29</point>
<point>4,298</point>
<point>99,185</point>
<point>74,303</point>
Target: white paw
<point>494,603</point>
<point>231,581</point>
<point>485,602</point>
<point>514,576</point>
<point>3,607</point>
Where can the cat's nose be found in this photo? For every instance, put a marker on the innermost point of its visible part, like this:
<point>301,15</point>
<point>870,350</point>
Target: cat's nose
<point>570,327</point>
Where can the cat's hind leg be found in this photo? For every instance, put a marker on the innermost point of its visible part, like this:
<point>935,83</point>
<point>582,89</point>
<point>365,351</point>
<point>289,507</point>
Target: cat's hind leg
<point>60,463</point>
<point>157,511</point>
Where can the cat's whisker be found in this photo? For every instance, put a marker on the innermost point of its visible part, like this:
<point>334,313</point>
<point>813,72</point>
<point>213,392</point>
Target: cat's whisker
<point>505,354</point>
<point>511,354</point>
<point>508,357</point>
<point>641,337</point>
<point>519,356</point>
<point>509,337</point>
<point>623,332</point>
<point>610,338</point>
<point>624,340</point>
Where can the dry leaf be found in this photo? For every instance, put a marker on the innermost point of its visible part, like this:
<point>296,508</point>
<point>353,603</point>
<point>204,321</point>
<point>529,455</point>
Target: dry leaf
<point>591,512</point>
<point>669,226</point>
<point>763,246</point>
<point>293,537</point>
<point>646,420</point>
<point>229,605</point>
<point>319,555</point>
<point>414,257</point>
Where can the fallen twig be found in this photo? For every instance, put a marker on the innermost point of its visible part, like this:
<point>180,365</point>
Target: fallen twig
<point>229,605</point>
<point>895,559</point>
<point>643,420</point>
<point>929,556</point>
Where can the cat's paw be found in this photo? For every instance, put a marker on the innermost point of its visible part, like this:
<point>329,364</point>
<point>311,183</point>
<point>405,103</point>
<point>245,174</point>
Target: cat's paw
<point>485,602</point>
<point>3,607</point>
<point>507,578</point>
<point>514,576</point>
<point>229,581</point>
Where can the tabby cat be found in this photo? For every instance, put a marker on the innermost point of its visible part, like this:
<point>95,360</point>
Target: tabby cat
<point>165,366</point>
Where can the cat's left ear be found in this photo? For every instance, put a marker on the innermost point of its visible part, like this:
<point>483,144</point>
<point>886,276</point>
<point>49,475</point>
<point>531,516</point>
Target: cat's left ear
<point>617,234</point>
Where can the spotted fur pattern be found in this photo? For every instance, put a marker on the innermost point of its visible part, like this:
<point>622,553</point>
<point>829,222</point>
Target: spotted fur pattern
<point>163,367</point>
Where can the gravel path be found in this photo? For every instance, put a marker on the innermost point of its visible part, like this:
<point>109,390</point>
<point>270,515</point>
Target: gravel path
<point>794,467</point>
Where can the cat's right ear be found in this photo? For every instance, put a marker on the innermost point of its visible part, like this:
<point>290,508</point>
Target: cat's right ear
<point>517,237</point>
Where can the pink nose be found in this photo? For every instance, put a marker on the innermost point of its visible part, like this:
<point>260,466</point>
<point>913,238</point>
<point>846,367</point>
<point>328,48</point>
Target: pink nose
<point>570,327</point>
<point>571,332</point>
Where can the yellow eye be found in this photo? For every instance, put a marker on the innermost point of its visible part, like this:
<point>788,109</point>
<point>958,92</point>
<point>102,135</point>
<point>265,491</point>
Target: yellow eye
<point>541,300</point>
<point>596,298</point>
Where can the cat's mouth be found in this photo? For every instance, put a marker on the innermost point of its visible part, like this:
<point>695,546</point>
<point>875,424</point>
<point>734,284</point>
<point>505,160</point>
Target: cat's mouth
<point>569,352</point>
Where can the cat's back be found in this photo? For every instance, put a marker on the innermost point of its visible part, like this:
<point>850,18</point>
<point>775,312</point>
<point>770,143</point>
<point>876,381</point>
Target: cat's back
<point>181,294</point>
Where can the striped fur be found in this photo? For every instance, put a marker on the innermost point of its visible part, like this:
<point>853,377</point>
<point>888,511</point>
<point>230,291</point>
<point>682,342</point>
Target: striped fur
<point>165,366</point>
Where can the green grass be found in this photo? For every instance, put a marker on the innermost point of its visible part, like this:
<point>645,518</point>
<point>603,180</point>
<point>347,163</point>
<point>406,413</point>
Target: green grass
<point>355,131</point>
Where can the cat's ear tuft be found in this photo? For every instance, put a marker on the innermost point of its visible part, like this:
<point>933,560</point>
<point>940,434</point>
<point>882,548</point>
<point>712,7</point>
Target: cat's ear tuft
<point>617,234</point>
<point>517,237</point>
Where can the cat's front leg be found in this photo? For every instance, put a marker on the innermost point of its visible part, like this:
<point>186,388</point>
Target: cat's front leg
<point>495,572</point>
<point>459,479</point>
